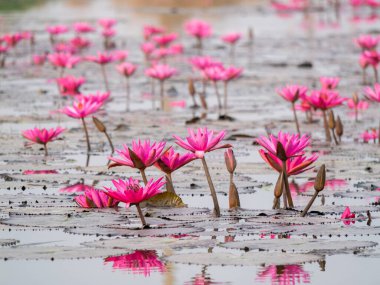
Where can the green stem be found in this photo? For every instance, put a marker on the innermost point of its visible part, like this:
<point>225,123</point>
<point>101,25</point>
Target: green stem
<point>296,119</point>
<point>212,188</point>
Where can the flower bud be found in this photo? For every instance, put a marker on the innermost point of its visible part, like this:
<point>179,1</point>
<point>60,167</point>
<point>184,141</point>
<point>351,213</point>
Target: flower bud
<point>99,125</point>
<point>279,186</point>
<point>339,127</point>
<point>229,157</point>
<point>320,180</point>
<point>331,120</point>
<point>191,87</point>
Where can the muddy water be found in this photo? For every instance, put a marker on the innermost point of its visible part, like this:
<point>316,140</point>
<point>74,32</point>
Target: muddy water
<point>37,209</point>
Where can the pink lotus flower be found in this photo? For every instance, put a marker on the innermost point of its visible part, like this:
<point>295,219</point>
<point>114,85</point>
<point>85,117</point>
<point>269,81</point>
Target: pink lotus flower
<point>78,187</point>
<point>94,198</point>
<point>373,94</point>
<point>147,152</point>
<point>107,23</point>
<point>80,43</point>
<point>367,42</point>
<point>361,105</point>
<point>370,135</point>
<point>140,262</point>
<point>39,172</point>
<point>203,62</point>
<point>292,93</point>
<point>65,48</point>
<point>147,48</point>
<point>231,38</point>
<point>304,106</point>
<point>82,108</point>
<point>165,40</point>
<point>329,83</point>
<point>101,58</point>
<point>214,73</point>
<point>83,27</point>
<point>231,73</point>
<point>170,161</point>
<point>175,49</point>
<point>127,69</point>
<point>98,97</point>
<point>108,33</point>
<point>12,39</point>
<point>130,192</point>
<point>198,28</point>
<point>58,29</point>
<point>372,57</point>
<point>294,145</point>
<point>201,141</point>
<point>69,85</point>
<point>120,55</point>
<point>161,72</point>
<point>347,215</point>
<point>38,59</point>
<point>150,30</point>
<point>42,136</point>
<point>63,60</point>
<point>325,99</point>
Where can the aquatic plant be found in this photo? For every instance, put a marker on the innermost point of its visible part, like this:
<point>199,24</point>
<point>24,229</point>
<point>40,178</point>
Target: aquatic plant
<point>42,136</point>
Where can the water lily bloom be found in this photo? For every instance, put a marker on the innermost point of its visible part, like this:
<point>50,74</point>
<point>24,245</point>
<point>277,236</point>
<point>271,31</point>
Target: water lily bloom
<point>63,60</point>
<point>229,74</point>
<point>39,59</point>
<point>127,70</point>
<point>94,198</point>
<point>147,49</point>
<point>367,42</point>
<point>372,57</point>
<point>83,27</point>
<point>12,39</point>
<point>361,105</point>
<point>231,38</point>
<point>165,40</point>
<point>373,94</point>
<point>203,62</point>
<point>347,215</point>
<point>108,33</point>
<point>200,142</point>
<point>80,43</point>
<point>198,29</point>
<point>98,97</point>
<point>102,58</point>
<point>144,154</point>
<point>140,262</point>
<point>42,136</point>
<point>370,135</point>
<point>324,100</point>
<point>57,29</point>
<point>329,82</point>
<point>131,193</point>
<point>107,23</point>
<point>119,55</point>
<point>80,109</point>
<point>150,30</point>
<point>170,161</point>
<point>69,85</point>
<point>161,72</point>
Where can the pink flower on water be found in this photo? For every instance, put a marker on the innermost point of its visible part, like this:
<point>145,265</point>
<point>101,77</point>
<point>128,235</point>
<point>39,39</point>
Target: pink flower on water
<point>165,40</point>
<point>98,97</point>
<point>372,57</point>
<point>101,58</point>
<point>370,135</point>
<point>127,69</point>
<point>161,71</point>
<point>80,43</point>
<point>304,106</point>
<point>146,151</point>
<point>347,215</point>
<point>81,108</point>
<point>120,55</point>
<point>140,262</point>
<point>198,28</point>
<point>325,99</point>
<point>284,274</point>
<point>201,141</point>
<point>292,93</point>
<point>203,62</point>
<point>58,29</point>
<point>39,172</point>
<point>367,42</point>
<point>373,94</point>
<point>94,198</point>
<point>83,27</point>
<point>78,187</point>
<point>147,48</point>
<point>231,38</point>
<point>150,30</point>
<point>175,49</point>
<point>329,83</point>
<point>39,59</point>
<point>65,47</point>
<point>69,85</point>
<point>231,73</point>
<point>108,33</point>
<point>130,192</point>
<point>63,60</point>
<point>171,161</point>
<point>42,136</point>
<point>214,73</point>
<point>12,39</point>
<point>107,23</point>
<point>361,105</point>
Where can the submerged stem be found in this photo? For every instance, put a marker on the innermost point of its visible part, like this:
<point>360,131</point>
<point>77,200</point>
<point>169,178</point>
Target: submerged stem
<point>86,133</point>
<point>212,188</point>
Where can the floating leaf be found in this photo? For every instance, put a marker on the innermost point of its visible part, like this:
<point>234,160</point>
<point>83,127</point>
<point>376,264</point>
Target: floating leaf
<point>166,199</point>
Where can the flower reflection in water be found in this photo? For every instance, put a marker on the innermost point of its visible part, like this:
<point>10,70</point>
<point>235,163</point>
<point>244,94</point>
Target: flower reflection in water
<point>332,184</point>
<point>284,275</point>
<point>140,262</point>
<point>78,187</point>
<point>203,279</point>
<point>31,172</point>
